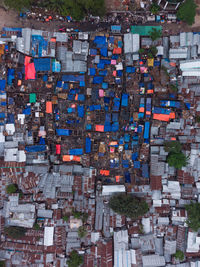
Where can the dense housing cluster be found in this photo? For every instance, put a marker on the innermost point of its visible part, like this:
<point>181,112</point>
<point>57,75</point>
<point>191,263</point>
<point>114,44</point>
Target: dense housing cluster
<point>84,116</point>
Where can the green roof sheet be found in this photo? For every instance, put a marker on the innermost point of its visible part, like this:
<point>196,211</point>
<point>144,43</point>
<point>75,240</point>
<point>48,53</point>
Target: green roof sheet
<point>32,98</point>
<point>144,30</point>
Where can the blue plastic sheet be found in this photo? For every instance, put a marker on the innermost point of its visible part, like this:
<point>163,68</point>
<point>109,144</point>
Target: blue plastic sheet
<point>64,132</point>
<point>81,111</point>
<point>27,111</point>
<point>97,80</point>
<point>42,64</point>
<point>124,100</point>
<point>2,85</point>
<point>76,151</point>
<point>146,130</point>
<point>36,148</point>
<point>88,144</point>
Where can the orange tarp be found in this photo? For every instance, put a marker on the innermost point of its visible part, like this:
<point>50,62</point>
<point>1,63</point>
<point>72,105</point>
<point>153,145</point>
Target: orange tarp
<point>29,69</point>
<point>149,91</point>
<point>99,128</point>
<point>148,112</point>
<point>48,107</point>
<point>161,117</point>
<point>117,50</point>
<point>71,158</point>
<point>141,109</point>
<point>117,178</point>
<point>105,172</point>
<point>173,138</point>
<point>172,115</point>
<point>113,143</point>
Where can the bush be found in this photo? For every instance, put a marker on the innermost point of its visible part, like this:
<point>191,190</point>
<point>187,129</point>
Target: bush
<point>193,220</point>
<point>2,264</point>
<point>82,232</point>
<point>172,146</point>
<point>179,255</point>
<point>36,226</point>
<point>141,51</point>
<point>197,119</point>
<point>177,160</point>
<point>154,9</point>
<point>155,34</point>
<point>15,231</point>
<point>154,50</point>
<point>128,205</point>
<point>78,9</point>
<point>75,260</point>
<point>187,11</point>
<point>11,188</point>
<point>18,4</point>
<point>65,218</point>
<point>174,88</point>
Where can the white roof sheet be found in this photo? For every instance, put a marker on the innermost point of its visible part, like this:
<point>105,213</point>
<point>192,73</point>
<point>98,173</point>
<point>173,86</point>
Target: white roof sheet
<point>110,189</point>
<point>48,236</point>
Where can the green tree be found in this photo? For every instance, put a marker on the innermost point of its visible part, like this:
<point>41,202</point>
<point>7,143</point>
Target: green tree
<point>77,214</point>
<point>82,232</point>
<point>128,205</point>
<point>197,119</point>
<point>187,11</point>
<point>11,188</point>
<point>174,88</point>
<point>179,255</point>
<point>75,260</point>
<point>65,218</point>
<point>193,210</point>
<point>15,231</point>
<point>177,160</point>
<point>155,34</point>
<point>141,51</point>
<point>36,226</point>
<point>18,4</point>
<point>85,217</point>
<point>2,264</point>
<point>153,50</point>
<point>172,146</point>
<point>154,9</point>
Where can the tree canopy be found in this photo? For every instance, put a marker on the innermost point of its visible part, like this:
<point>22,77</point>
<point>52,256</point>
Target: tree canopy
<point>15,231</point>
<point>187,11</point>
<point>11,188</point>
<point>2,264</point>
<point>177,160</point>
<point>18,4</point>
<point>78,9</point>
<point>128,205</point>
<point>154,8</point>
<point>75,260</point>
<point>82,232</point>
<point>155,34</point>
<point>172,146</point>
<point>193,220</point>
<point>179,255</point>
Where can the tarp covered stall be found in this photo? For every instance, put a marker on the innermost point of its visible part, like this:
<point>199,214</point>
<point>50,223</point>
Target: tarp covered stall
<point>48,107</point>
<point>35,148</point>
<point>88,144</point>
<point>63,132</point>
<point>76,151</point>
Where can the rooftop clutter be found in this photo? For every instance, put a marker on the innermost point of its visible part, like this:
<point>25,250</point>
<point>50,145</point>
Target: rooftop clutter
<point>84,116</point>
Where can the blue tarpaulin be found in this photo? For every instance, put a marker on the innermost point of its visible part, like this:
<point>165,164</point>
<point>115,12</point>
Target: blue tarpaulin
<point>35,148</point>
<point>127,177</point>
<point>104,52</point>
<point>146,130</point>
<point>134,156</point>
<point>27,111</point>
<point>159,110</point>
<point>42,141</point>
<point>97,80</point>
<point>64,132</point>
<point>100,40</point>
<point>130,69</point>
<point>10,118</point>
<point>88,145</point>
<point>2,115</point>
<point>136,164</point>
<point>93,52</point>
<point>2,85</point>
<point>42,64</point>
<point>92,71</point>
<point>76,151</point>
<point>81,111</point>
<point>10,76</point>
<point>124,100</point>
<point>145,171</point>
<point>73,78</point>
<point>104,85</point>
<point>116,28</point>
<point>103,72</point>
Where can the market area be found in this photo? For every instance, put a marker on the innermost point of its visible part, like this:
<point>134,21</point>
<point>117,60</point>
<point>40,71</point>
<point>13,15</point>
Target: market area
<point>84,115</point>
